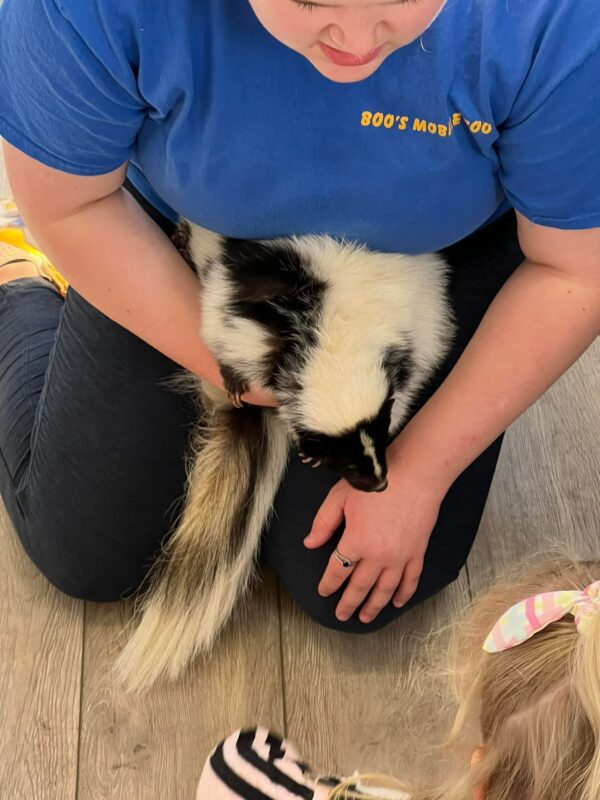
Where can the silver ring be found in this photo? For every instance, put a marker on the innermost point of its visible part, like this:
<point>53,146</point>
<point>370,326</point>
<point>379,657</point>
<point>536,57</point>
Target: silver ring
<point>345,562</point>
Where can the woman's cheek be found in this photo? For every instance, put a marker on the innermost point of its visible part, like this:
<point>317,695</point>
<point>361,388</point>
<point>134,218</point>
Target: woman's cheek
<point>299,36</point>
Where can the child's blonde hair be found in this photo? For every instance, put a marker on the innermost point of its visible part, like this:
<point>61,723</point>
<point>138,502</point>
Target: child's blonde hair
<point>535,709</point>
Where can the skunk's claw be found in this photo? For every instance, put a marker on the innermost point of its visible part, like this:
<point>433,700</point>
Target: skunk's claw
<point>236,398</point>
<point>235,385</point>
<point>308,459</point>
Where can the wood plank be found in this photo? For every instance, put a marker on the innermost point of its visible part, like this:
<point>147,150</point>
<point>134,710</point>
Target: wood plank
<point>347,695</point>
<point>546,489</point>
<point>155,747</point>
<point>41,635</point>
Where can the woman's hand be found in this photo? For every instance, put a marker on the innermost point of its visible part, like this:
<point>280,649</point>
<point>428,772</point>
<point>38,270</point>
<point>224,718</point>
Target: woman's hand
<point>386,533</point>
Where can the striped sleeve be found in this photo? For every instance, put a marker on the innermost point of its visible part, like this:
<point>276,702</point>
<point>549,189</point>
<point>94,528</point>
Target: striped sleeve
<point>256,764</point>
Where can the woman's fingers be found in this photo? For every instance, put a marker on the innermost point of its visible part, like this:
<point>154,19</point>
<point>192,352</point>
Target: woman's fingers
<point>387,535</point>
<point>410,581</point>
<point>381,594</point>
<point>335,574</point>
<point>328,519</point>
<point>259,397</point>
<point>369,579</point>
<point>364,576</point>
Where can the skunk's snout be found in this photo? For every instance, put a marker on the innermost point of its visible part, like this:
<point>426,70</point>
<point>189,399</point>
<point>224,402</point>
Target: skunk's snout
<point>364,484</point>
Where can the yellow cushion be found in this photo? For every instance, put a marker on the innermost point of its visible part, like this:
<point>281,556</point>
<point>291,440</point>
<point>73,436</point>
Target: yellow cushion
<point>16,238</point>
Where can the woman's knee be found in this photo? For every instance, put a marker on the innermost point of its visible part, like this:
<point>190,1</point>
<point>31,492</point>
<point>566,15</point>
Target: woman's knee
<point>86,587</point>
<point>323,609</point>
<point>85,566</point>
<point>89,583</point>
<point>100,583</point>
<point>301,580</point>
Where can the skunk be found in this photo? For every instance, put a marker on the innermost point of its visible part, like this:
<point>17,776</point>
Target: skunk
<point>343,338</point>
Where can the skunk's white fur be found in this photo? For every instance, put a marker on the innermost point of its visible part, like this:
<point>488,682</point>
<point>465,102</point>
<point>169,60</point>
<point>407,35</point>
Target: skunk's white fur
<point>344,338</point>
<point>374,301</point>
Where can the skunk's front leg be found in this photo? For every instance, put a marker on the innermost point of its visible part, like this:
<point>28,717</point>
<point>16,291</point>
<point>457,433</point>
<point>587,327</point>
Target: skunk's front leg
<point>235,385</point>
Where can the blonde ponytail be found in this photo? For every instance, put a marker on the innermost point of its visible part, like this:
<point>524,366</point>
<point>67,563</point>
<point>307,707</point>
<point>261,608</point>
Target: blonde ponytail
<point>586,680</point>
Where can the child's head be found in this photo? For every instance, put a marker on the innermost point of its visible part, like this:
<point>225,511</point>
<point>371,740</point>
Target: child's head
<point>536,706</point>
<point>530,715</point>
<point>363,28</point>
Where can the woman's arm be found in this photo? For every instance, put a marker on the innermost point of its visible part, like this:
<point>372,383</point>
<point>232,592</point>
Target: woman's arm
<point>541,321</point>
<point>116,257</point>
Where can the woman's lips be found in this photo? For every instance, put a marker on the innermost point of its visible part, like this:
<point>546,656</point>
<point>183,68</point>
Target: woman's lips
<point>348,59</point>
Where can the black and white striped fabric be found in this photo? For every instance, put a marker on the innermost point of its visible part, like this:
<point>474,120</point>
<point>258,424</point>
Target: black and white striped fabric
<point>256,764</point>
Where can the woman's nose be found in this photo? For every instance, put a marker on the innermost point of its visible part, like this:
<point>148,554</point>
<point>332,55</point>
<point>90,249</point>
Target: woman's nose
<point>358,35</point>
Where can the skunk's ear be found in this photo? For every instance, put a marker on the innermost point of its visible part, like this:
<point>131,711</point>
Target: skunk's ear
<point>399,364</point>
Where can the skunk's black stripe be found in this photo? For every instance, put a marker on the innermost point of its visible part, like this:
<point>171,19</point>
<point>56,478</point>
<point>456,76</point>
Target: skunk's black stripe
<point>233,781</point>
<point>274,287</point>
<point>246,750</point>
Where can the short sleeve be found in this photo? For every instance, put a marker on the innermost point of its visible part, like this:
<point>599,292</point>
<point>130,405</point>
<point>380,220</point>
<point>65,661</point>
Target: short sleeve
<point>549,148</point>
<point>68,97</point>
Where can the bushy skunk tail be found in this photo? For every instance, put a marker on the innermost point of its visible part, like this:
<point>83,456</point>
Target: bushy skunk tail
<point>207,564</point>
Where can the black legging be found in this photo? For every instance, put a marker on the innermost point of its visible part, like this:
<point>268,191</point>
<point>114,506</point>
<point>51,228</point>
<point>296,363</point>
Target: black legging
<point>92,445</point>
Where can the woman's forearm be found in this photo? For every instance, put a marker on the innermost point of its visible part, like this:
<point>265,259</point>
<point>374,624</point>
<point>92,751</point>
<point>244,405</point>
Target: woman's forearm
<point>116,257</point>
<point>538,325</point>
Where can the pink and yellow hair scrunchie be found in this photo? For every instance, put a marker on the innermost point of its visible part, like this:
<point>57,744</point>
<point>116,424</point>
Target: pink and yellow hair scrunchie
<point>532,615</point>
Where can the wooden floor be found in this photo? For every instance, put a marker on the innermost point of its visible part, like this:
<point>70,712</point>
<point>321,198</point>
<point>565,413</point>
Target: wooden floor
<point>68,733</point>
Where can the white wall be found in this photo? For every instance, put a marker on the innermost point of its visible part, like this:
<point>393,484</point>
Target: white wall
<point>3,180</point>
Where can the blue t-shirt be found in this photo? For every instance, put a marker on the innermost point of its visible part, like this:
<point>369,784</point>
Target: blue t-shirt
<point>497,105</point>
